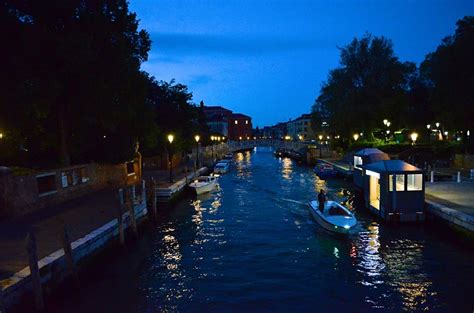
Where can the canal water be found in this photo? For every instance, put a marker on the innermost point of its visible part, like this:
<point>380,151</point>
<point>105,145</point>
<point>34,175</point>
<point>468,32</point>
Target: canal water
<point>252,246</point>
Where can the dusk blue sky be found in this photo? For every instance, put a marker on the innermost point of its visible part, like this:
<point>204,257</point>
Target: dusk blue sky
<point>268,59</point>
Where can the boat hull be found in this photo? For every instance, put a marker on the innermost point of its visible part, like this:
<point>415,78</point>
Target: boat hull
<point>324,223</point>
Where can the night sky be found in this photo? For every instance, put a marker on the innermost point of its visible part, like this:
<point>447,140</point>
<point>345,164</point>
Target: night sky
<point>267,59</point>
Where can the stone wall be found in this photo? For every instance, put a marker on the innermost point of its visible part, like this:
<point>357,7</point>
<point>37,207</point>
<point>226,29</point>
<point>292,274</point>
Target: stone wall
<point>27,193</point>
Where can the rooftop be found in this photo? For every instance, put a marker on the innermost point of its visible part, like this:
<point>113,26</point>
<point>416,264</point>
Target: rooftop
<point>391,166</point>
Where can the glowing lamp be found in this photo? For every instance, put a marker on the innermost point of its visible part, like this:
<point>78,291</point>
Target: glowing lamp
<point>170,138</point>
<point>356,137</point>
<point>197,138</point>
<point>413,137</point>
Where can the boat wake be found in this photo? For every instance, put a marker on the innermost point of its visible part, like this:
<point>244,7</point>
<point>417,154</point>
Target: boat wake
<point>293,201</point>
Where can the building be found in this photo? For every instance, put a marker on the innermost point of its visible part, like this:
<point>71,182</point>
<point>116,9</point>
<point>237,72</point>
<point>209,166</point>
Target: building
<point>277,131</point>
<point>217,118</point>
<point>394,190</point>
<point>363,157</point>
<point>300,128</point>
<point>239,127</point>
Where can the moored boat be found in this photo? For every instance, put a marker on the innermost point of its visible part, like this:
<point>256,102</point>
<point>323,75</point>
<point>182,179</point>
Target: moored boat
<point>335,217</point>
<point>221,167</point>
<point>325,171</point>
<point>203,184</point>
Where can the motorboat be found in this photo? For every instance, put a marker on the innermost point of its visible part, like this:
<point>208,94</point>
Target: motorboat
<point>335,217</point>
<point>203,184</point>
<point>221,167</point>
<point>325,171</point>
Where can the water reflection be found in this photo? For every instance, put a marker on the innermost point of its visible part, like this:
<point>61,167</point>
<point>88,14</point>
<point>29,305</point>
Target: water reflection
<point>287,168</point>
<point>243,164</point>
<point>404,259</point>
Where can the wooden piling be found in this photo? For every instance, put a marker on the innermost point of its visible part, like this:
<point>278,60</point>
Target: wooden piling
<point>134,195</point>
<point>143,200</point>
<point>34,270</point>
<point>2,303</point>
<point>71,265</point>
<point>153,199</point>
<point>120,217</point>
<point>131,209</point>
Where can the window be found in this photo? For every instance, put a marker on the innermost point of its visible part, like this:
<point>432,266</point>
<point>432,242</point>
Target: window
<point>399,181</point>
<point>246,122</point>
<point>236,122</point>
<point>357,161</point>
<point>74,177</point>
<point>46,184</point>
<point>414,182</point>
<point>130,168</point>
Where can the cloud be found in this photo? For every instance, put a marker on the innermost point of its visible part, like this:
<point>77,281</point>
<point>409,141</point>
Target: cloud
<point>233,45</point>
<point>197,80</point>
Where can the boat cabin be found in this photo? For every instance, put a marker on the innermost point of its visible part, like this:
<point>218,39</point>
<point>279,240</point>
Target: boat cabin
<point>394,190</point>
<point>364,157</point>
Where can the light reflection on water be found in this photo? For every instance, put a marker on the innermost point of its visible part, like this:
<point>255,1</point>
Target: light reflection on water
<point>252,239</point>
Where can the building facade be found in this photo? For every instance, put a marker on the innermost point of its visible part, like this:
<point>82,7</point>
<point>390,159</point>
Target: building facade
<point>300,128</point>
<point>239,127</point>
<point>217,119</point>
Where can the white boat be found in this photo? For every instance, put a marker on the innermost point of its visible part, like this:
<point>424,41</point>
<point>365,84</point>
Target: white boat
<point>229,156</point>
<point>335,217</point>
<point>203,184</point>
<point>221,167</point>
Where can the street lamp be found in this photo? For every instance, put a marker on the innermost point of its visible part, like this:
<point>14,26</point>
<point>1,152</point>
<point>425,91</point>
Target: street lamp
<point>1,135</point>
<point>196,164</point>
<point>428,126</point>
<point>355,136</point>
<point>388,124</point>
<point>413,137</point>
<point>385,121</point>
<point>212,146</point>
<point>437,124</point>
<point>170,157</point>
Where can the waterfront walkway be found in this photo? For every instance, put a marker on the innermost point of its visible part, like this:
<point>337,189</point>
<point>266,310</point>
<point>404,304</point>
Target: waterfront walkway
<point>452,202</point>
<point>81,216</point>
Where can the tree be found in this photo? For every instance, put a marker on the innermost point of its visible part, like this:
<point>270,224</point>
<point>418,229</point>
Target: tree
<point>174,113</point>
<point>369,86</point>
<point>450,71</point>
<point>72,81</point>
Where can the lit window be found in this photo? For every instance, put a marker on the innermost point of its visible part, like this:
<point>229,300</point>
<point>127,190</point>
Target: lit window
<point>357,161</point>
<point>414,182</point>
<point>246,122</point>
<point>400,182</point>
<point>236,122</point>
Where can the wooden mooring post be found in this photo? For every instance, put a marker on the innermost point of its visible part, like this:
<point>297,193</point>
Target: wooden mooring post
<point>120,206</point>
<point>131,210</point>
<point>2,303</point>
<point>34,270</point>
<point>153,199</point>
<point>71,265</point>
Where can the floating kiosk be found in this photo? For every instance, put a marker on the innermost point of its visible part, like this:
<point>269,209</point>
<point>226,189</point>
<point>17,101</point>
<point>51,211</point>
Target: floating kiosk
<point>364,157</point>
<point>394,190</point>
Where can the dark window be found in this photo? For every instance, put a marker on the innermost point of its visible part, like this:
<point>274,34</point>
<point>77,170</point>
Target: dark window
<point>130,168</point>
<point>46,183</point>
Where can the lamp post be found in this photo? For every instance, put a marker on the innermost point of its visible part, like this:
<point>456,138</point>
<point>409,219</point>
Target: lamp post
<point>320,146</point>
<point>355,136</point>
<point>212,147</point>
<point>196,162</point>
<point>170,157</point>
<point>413,137</point>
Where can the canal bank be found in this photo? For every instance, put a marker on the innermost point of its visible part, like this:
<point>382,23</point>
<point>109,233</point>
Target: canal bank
<point>92,223</point>
<point>251,245</point>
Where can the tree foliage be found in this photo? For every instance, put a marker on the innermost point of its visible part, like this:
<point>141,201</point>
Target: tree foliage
<point>71,81</point>
<point>369,85</point>
<point>450,73</point>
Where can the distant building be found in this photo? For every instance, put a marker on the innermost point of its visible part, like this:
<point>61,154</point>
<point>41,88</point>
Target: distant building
<point>239,127</point>
<point>217,118</point>
<point>300,128</point>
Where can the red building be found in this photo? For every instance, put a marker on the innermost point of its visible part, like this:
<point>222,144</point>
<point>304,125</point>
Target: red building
<point>240,127</point>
